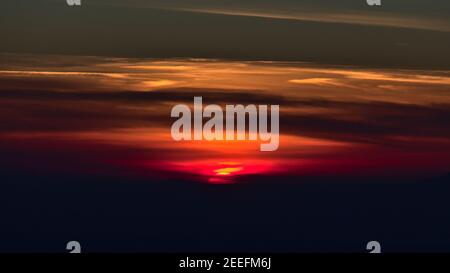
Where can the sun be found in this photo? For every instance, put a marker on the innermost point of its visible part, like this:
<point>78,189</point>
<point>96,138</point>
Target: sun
<point>228,170</point>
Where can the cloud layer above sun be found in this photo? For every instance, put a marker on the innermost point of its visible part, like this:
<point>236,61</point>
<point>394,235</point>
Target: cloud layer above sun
<point>411,34</point>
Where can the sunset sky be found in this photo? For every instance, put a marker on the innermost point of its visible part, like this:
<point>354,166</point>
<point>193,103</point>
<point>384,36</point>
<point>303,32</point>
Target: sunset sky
<point>87,92</point>
<point>333,119</point>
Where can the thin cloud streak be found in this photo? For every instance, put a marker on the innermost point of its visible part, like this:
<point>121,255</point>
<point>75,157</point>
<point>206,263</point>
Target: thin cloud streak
<point>299,12</point>
<point>341,18</point>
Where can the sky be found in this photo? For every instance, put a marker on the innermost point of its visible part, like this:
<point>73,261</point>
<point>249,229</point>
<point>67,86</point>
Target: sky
<point>86,151</point>
<point>333,120</point>
<point>401,33</point>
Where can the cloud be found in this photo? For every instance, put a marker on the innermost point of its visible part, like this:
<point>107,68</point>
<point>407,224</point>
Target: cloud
<point>359,18</point>
<point>328,114</point>
<point>316,11</point>
<point>327,119</point>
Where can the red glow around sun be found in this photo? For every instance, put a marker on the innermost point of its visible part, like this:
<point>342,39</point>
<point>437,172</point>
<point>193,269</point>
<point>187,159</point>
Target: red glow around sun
<point>224,172</point>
